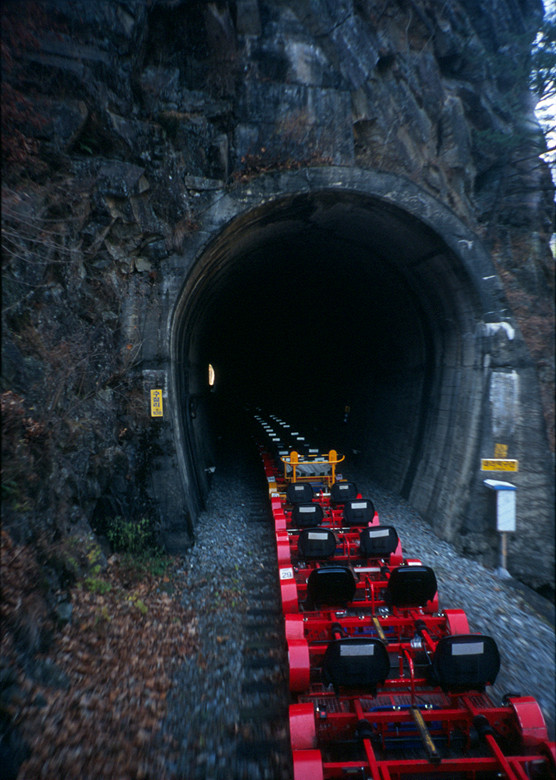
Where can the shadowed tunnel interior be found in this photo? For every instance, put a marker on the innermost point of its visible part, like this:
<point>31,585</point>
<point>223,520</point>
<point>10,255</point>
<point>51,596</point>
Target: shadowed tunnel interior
<point>314,302</point>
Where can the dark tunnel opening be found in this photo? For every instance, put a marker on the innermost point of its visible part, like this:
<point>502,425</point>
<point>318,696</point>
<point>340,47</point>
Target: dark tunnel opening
<point>311,327</point>
<point>316,302</point>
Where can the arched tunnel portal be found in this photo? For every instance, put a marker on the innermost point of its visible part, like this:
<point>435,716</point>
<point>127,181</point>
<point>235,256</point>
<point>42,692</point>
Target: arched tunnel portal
<point>312,291</point>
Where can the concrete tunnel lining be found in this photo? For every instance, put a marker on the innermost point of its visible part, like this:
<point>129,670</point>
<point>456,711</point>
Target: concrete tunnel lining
<point>367,292</point>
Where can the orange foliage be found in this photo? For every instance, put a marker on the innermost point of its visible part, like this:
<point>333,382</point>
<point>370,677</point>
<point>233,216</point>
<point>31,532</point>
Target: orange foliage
<point>118,655</point>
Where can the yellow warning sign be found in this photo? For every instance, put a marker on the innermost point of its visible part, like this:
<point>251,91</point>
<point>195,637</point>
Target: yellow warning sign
<point>156,403</point>
<point>497,464</point>
<point>500,450</point>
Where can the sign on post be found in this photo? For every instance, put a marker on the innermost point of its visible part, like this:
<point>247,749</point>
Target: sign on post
<point>505,504</point>
<point>505,516</point>
<point>498,464</point>
<point>156,403</point>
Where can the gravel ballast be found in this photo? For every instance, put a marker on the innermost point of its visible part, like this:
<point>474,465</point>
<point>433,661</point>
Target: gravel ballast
<point>227,712</point>
<point>521,621</point>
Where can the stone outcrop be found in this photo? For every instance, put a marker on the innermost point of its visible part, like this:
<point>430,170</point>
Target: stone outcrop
<point>124,119</point>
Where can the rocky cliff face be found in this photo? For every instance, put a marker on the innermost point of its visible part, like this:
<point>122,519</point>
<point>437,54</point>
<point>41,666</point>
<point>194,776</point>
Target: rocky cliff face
<point>121,117</point>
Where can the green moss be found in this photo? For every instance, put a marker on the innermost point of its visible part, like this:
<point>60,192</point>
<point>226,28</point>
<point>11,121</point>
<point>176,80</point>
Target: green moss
<point>96,584</point>
<point>139,603</point>
<point>130,536</point>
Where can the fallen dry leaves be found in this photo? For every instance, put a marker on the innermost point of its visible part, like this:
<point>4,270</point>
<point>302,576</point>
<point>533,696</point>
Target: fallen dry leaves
<point>117,658</point>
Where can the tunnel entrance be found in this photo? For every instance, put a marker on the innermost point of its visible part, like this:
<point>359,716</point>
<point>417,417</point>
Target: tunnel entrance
<point>308,291</point>
<point>332,301</point>
<point>309,299</point>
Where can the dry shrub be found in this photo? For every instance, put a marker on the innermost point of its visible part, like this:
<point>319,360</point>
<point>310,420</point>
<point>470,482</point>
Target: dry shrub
<point>23,608</point>
<point>24,444</point>
<point>22,24</point>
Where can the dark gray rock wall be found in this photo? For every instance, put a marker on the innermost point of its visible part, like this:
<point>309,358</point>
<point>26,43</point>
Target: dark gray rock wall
<point>124,120</point>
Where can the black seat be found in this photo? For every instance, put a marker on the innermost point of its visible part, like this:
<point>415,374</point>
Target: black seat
<point>411,586</point>
<point>355,663</point>
<point>359,511</point>
<point>465,662</point>
<point>330,586</point>
<point>340,492</point>
<point>299,493</point>
<point>378,541</point>
<point>306,515</point>
<point>316,544</point>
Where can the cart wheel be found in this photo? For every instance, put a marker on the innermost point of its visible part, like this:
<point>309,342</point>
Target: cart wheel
<point>294,627</point>
<point>283,548</point>
<point>457,621</point>
<point>300,669</point>
<point>288,590</point>
<point>303,735</point>
<point>307,765</point>
<point>531,720</point>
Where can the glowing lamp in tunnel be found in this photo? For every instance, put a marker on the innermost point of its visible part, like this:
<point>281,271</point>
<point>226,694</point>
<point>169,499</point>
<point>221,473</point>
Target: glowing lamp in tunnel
<point>211,375</point>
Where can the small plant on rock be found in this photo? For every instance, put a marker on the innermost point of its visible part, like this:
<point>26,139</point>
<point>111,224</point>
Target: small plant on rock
<point>130,536</point>
<point>135,540</point>
<point>93,581</point>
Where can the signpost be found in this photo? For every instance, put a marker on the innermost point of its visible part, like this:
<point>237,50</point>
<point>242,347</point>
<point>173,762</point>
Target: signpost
<point>505,516</point>
<point>499,464</point>
<point>156,403</point>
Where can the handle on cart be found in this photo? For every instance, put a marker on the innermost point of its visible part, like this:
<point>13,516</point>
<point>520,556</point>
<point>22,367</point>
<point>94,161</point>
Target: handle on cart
<point>293,466</point>
<point>426,738</point>
<point>379,630</point>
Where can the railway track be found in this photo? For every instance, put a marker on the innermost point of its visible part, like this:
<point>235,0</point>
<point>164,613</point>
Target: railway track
<point>227,714</point>
<point>375,663</point>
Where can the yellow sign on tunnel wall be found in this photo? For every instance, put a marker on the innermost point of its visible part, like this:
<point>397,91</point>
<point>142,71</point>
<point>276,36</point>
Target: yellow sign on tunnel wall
<point>156,403</point>
<point>498,464</point>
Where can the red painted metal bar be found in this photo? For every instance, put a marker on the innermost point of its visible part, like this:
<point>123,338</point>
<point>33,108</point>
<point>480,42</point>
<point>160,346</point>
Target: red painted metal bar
<point>406,708</point>
<point>448,767</point>
<point>371,758</point>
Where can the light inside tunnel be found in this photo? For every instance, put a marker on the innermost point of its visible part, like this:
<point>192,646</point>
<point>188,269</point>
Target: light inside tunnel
<point>211,375</point>
<point>315,302</point>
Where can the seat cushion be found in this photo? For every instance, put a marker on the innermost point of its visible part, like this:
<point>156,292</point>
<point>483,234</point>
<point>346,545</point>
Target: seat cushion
<point>340,492</point>
<point>306,515</point>
<point>330,586</point>
<point>411,586</point>
<point>299,493</point>
<point>359,511</point>
<point>316,544</point>
<point>378,541</point>
<point>465,661</point>
<point>355,663</point>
